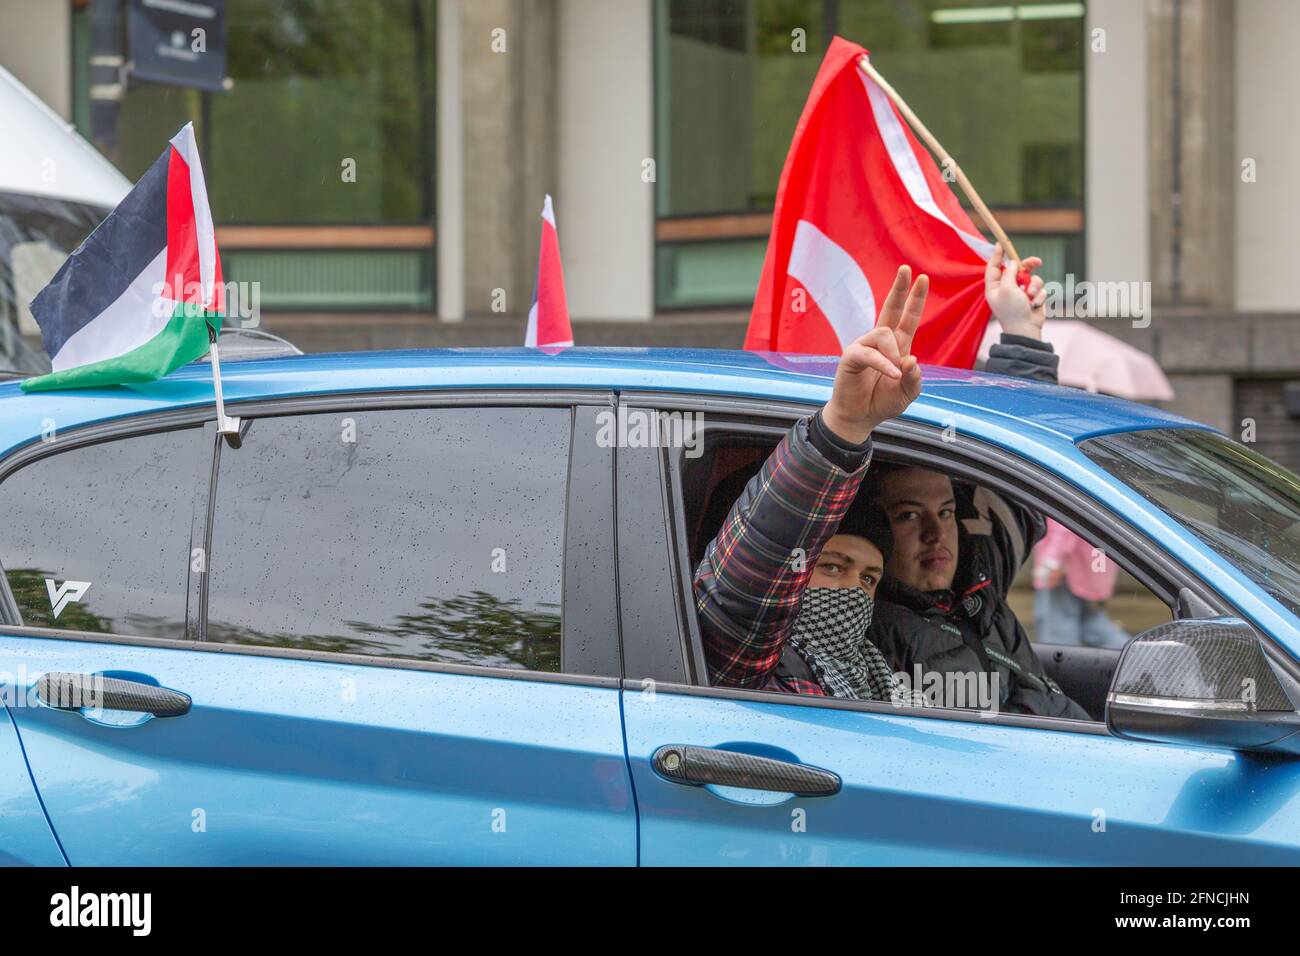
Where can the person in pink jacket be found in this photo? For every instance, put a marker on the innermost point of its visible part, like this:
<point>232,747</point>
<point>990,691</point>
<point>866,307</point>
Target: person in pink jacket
<point>1072,582</point>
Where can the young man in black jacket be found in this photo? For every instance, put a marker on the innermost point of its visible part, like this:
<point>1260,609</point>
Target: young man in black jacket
<point>953,550</point>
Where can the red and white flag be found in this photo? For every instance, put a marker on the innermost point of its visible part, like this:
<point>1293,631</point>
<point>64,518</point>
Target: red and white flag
<point>858,197</point>
<point>548,319</point>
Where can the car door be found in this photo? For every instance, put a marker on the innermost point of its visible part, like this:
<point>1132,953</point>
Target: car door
<point>391,661</point>
<point>745,777</point>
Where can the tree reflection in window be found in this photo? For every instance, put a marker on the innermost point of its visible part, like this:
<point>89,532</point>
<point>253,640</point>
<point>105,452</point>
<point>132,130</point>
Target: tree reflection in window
<point>475,629</point>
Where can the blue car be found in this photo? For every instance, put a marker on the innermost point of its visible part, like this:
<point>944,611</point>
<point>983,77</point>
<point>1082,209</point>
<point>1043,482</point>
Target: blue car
<point>434,607</point>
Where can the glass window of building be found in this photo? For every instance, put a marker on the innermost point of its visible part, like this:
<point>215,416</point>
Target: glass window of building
<point>341,95</point>
<point>730,85</point>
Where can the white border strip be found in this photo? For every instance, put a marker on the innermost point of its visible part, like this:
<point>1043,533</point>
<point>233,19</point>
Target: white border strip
<point>909,170</point>
<point>207,237</point>
<point>834,281</point>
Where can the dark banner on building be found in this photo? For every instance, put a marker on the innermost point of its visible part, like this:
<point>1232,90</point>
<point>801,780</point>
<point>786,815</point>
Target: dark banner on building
<point>178,42</point>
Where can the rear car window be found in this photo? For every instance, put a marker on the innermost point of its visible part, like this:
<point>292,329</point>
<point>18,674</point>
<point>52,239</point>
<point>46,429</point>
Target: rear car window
<point>432,534</point>
<point>97,538</point>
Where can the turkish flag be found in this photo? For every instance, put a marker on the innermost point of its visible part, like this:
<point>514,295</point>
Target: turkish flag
<point>858,197</point>
<point>548,317</point>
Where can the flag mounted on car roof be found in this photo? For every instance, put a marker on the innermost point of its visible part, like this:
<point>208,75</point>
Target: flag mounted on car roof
<point>548,318</point>
<point>858,197</point>
<point>137,299</point>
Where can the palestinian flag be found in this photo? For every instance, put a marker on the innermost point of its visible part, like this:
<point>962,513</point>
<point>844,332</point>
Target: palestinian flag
<point>137,298</point>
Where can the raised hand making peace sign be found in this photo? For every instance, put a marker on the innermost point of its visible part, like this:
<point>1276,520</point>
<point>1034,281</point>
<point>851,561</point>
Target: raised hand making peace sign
<point>878,377</point>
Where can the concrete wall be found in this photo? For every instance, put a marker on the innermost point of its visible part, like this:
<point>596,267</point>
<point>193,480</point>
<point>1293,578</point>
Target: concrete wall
<point>36,47</point>
<point>1268,210</point>
<point>507,78</point>
<point>1115,140</point>
<point>604,208</point>
<point>1190,150</point>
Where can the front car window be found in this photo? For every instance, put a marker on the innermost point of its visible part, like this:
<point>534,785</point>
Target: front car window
<point>1244,506</point>
<point>37,233</point>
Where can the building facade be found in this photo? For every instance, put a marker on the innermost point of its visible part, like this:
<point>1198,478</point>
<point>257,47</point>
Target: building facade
<point>378,167</point>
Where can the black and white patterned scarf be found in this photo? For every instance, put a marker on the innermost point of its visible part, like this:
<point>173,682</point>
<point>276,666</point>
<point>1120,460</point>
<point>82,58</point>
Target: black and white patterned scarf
<point>830,634</point>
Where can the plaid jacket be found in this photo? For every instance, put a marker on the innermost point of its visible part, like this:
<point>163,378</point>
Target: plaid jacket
<point>748,585</point>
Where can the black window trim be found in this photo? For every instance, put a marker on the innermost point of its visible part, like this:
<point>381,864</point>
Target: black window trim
<point>965,457</point>
<point>173,419</point>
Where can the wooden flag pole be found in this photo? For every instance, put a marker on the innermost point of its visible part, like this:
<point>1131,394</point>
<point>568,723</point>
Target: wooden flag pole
<point>944,159</point>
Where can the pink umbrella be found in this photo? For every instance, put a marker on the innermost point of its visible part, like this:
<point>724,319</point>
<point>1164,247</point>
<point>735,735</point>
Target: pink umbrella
<point>1096,361</point>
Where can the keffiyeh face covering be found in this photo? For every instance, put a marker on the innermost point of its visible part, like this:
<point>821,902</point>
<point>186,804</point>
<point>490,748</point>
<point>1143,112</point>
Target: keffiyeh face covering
<point>830,634</point>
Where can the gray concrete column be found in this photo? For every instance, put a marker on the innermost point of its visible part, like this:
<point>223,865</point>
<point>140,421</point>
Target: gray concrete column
<point>1268,141</point>
<point>36,47</point>
<point>1116,139</point>
<point>449,181</point>
<point>605,208</point>
<point>507,76</point>
<point>1193,163</point>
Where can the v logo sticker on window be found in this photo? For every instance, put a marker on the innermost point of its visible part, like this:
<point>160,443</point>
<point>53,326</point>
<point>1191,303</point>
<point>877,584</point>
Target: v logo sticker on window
<point>65,593</point>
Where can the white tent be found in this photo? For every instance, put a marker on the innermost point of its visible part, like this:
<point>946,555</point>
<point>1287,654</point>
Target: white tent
<point>42,155</point>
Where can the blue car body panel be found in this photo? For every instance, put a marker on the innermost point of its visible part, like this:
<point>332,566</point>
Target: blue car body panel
<point>306,762</point>
<point>27,837</point>
<point>421,766</point>
<point>921,791</point>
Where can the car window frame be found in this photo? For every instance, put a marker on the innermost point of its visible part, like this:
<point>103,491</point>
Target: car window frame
<point>582,583</point>
<point>926,445</point>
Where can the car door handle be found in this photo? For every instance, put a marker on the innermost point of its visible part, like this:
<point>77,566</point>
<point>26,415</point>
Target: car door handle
<point>697,766</point>
<point>69,691</point>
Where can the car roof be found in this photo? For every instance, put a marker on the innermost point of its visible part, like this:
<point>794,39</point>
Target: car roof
<point>1052,413</point>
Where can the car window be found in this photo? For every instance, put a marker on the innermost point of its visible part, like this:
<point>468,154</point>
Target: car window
<point>432,534</point>
<point>1072,592</point>
<point>1068,591</point>
<point>1077,604</point>
<point>1241,504</point>
<point>97,538</point>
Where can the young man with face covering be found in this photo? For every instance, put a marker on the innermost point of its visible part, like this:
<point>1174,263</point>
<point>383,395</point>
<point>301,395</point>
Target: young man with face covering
<point>785,592</point>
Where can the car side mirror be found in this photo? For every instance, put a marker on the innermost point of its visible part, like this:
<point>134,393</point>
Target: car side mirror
<point>1202,683</point>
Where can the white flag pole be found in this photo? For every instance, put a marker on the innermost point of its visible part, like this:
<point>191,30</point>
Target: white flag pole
<point>227,426</point>
<point>945,159</point>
